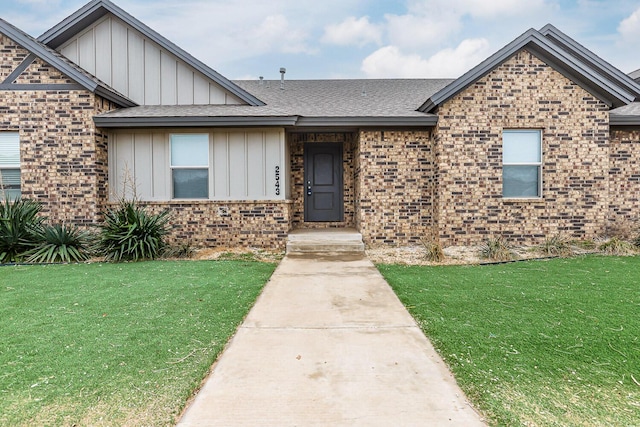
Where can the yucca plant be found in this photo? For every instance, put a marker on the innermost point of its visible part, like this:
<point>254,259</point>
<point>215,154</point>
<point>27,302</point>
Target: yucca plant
<point>433,250</point>
<point>129,233</point>
<point>61,243</point>
<point>497,249</point>
<point>556,245</point>
<point>19,225</point>
<point>617,246</point>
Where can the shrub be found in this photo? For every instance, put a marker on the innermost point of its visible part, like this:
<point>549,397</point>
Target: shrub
<point>184,250</point>
<point>617,246</point>
<point>556,245</point>
<point>434,251</point>
<point>19,225</point>
<point>60,243</point>
<point>497,249</point>
<point>129,233</point>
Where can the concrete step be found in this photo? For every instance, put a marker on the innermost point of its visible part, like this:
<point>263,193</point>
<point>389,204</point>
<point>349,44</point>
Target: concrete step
<point>332,240</point>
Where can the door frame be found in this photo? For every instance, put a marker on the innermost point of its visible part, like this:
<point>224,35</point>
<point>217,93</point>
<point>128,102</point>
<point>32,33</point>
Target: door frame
<point>340,175</point>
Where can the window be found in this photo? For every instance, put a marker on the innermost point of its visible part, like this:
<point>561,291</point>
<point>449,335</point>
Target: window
<point>521,163</point>
<point>190,166</point>
<point>9,165</point>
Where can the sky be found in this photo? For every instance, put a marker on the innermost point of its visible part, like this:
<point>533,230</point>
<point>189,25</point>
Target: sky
<point>333,39</point>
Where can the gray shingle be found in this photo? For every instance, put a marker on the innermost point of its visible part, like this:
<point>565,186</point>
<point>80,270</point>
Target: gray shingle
<point>383,98</point>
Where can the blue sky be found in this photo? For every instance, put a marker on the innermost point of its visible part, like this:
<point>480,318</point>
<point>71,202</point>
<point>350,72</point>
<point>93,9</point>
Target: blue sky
<point>359,38</point>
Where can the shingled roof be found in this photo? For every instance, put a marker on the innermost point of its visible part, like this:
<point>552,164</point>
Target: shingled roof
<point>305,103</point>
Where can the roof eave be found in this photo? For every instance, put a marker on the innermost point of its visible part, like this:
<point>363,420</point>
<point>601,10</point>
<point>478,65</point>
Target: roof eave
<point>94,10</point>
<point>622,79</point>
<point>47,56</point>
<point>606,90</point>
<point>164,122</point>
<point>121,100</point>
<point>427,120</point>
<point>620,120</point>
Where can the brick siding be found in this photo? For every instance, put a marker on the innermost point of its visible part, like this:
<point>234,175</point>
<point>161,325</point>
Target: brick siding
<point>523,92</point>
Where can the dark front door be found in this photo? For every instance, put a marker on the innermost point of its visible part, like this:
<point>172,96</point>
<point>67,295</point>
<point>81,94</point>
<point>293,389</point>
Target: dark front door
<point>323,182</point>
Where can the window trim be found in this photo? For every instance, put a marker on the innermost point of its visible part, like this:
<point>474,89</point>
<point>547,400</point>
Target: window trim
<point>3,193</point>
<point>206,167</point>
<point>538,164</point>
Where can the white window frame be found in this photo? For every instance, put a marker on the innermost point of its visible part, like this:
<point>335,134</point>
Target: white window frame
<point>205,166</point>
<point>12,140</point>
<point>538,163</point>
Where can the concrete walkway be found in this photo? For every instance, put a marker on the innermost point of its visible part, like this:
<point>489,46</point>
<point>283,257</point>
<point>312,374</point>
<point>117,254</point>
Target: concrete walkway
<point>328,343</point>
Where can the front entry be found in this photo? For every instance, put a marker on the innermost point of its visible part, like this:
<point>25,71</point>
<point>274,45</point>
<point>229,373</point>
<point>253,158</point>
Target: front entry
<point>323,182</point>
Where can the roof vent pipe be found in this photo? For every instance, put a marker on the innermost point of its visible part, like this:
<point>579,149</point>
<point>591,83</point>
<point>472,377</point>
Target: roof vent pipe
<point>282,71</point>
<point>261,80</point>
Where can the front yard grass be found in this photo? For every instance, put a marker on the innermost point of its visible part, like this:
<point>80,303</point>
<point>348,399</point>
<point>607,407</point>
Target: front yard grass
<point>115,344</point>
<point>538,343</point>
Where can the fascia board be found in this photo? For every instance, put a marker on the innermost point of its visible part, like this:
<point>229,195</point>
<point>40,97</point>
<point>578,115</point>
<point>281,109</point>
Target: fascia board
<point>572,65</point>
<point>587,56</point>
<point>427,120</point>
<point>44,54</point>
<point>146,122</point>
<point>620,120</point>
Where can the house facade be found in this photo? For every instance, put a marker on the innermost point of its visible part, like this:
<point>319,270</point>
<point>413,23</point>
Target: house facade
<point>541,138</point>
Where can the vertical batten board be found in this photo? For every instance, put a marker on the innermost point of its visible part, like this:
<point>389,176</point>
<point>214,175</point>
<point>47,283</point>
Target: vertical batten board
<point>136,67</point>
<point>71,50</point>
<point>103,50</point>
<point>220,165</point>
<point>200,89</point>
<point>216,95</point>
<point>152,68</point>
<point>237,170</point>
<point>273,143</point>
<point>125,165</point>
<point>86,52</point>
<point>120,55</point>
<point>232,100</point>
<point>185,84</point>
<point>161,169</point>
<point>255,165</point>
<point>143,166</point>
<point>168,67</point>
<point>146,73</point>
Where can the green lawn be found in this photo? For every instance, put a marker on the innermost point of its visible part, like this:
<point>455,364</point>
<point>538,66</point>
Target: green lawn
<point>115,344</point>
<point>536,343</point>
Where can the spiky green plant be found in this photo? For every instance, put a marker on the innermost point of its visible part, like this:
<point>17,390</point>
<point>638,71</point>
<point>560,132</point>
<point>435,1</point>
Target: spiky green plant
<point>129,233</point>
<point>61,243</point>
<point>19,225</point>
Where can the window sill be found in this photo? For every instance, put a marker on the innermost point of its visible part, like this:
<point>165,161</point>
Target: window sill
<point>523,199</point>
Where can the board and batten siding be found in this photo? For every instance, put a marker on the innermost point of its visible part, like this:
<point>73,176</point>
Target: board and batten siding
<point>243,165</point>
<point>139,68</point>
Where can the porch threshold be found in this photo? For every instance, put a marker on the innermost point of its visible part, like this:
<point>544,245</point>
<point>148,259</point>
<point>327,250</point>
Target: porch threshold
<point>325,240</point>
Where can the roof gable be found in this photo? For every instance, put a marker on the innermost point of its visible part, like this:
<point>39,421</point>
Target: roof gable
<point>96,10</point>
<point>53,58</point>
<point>570,59</point>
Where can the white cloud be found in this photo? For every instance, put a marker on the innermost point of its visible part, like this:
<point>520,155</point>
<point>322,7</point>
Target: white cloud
<point>629,28</point>
<point>352,31</point>
<point>389,61</point>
